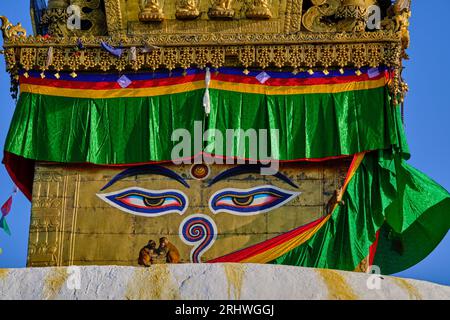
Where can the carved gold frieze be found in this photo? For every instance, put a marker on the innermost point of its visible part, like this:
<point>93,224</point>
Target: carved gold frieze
<point>263,56</point>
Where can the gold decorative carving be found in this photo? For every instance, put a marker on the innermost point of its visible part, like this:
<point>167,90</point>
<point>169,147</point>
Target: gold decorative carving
<point>92,12</point>
<point>337,16</point>
<point>307,55</point>
<point>43,245</point>
<point>151,11</point>
<point>221,9</point>
<point>353,14</point>
<point>187,9</point>
<point>397,20</point>
<point>313,19</point>
<point>259,10</point>
<point>113,16</point>
<point>56,20</point>
<point>10,31</point>
<point>278,43</point>
<point>293,16</point>
<point>210,39</point>
<point>92,17</point>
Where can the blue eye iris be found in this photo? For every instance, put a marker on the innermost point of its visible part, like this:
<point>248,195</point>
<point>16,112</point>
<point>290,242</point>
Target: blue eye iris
<point>250,201</point>
<point>147,203</point>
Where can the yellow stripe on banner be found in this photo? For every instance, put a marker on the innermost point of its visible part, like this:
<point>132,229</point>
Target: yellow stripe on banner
<point>113,93</point>
<point>357,159</point>
<point>287,90</point>
<point>191,86</point>
<point>278,251</point>
<point>293,243</point>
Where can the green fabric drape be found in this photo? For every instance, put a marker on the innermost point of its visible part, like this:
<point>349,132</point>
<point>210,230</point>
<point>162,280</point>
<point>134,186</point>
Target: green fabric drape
<point>412,211</point>
<point>135,130</point>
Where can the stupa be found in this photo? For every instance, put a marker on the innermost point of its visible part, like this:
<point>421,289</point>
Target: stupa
<point>265,132</point>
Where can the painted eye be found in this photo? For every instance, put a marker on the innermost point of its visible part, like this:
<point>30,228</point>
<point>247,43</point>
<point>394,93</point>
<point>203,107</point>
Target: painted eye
<point>251,201</point>
<point>148,203</point>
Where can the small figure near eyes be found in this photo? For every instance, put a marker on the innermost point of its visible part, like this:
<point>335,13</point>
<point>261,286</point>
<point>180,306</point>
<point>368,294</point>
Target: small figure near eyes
<point>146,253</point>
<point>168,250</point>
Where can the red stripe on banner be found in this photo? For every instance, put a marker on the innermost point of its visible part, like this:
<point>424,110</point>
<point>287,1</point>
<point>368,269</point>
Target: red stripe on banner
<point>266,245</point>
<point>280,82</point>
<point>109,85</point>
<point>373,249</point>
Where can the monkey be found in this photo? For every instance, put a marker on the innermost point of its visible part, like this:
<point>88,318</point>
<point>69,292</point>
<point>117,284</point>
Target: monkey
<point>145,255</point>
<point>169,250</point>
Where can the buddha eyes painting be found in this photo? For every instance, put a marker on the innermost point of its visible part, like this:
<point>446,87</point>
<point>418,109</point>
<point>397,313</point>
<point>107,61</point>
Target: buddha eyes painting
<point>148,203</point>
<point>251,201</point>
<point>200,205</point>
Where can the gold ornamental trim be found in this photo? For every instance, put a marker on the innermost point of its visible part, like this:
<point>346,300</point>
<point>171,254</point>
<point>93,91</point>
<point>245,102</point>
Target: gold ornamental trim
<point>211,39</point>
<point>260,56</point>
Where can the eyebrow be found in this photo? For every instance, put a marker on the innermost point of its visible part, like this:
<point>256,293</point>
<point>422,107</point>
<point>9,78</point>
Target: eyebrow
<point>147,170</point>
<point>245,169</point>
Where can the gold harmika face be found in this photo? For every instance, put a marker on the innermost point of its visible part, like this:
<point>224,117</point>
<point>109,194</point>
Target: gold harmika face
<point>106,216</point>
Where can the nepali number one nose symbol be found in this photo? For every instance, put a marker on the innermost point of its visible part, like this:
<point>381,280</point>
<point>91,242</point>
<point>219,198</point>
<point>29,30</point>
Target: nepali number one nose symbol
<point>198,231</point>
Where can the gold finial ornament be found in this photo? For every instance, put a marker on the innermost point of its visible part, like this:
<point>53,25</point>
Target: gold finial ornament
<point>259,10</point>
<point>151,11</point>
<point>187,9</point>
<point>9,30</point>
<point>221,9</point>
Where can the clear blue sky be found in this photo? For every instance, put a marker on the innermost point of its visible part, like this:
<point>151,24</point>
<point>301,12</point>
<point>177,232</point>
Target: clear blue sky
<point>427,127</point>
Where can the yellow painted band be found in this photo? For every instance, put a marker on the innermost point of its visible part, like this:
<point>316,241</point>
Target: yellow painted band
<point>278,251</point>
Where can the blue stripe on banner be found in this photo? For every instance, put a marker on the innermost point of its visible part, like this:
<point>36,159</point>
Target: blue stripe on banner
<point>110,77</point>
